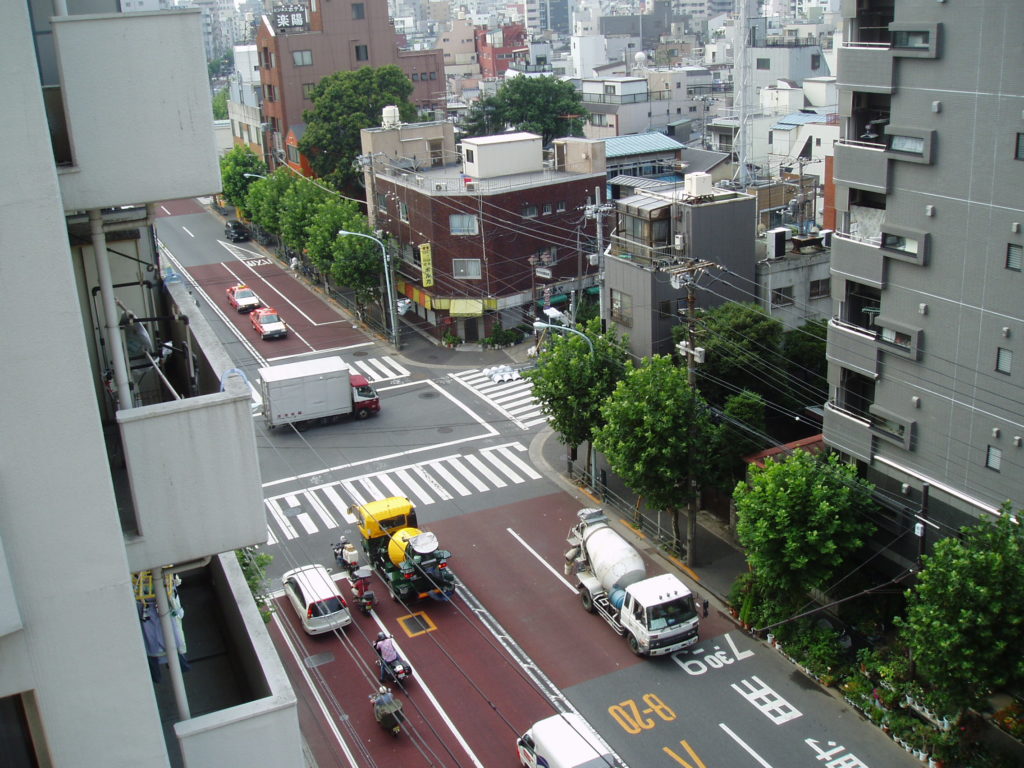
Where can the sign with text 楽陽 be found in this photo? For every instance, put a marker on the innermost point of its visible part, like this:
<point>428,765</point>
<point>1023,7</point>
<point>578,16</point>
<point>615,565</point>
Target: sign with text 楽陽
<point>427,265</point>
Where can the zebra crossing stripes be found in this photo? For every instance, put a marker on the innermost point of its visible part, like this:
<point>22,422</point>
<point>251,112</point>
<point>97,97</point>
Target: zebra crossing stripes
<point>325,506</point>
<point>377,369</point>
<point>513,398</point>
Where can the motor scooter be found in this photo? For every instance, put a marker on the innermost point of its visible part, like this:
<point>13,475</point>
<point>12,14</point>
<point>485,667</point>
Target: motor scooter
<point>364,597</point>
<point>397,670</point>
<point>387,710</point>
<point>345,556</point>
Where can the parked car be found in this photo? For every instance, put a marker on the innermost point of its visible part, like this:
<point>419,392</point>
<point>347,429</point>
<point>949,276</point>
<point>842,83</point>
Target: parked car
<point>235,231</point>
<point>268,324</point>
<point>316,599</point>
<point>243,298</point>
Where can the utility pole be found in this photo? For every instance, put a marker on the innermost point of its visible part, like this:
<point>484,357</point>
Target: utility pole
<point>919,528</point>
<point>597,212</point>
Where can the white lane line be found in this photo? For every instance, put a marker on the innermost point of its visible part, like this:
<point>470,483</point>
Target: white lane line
<point>745,746</point>
<point>188,233</point>
<point>541,560</point>
<point>422,685</point>
<point>164,209</point>
<point>316,694</point>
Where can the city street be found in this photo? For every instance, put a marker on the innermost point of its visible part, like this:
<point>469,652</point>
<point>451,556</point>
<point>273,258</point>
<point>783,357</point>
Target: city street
<point>515,644</point>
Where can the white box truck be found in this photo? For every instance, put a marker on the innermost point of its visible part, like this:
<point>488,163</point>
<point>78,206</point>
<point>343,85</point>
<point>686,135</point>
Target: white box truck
<point>318,391</point>
<point>564,741</point>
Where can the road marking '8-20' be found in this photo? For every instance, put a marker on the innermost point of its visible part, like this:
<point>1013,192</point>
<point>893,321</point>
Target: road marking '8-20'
<point>634,720</point>
<point>694,664</point>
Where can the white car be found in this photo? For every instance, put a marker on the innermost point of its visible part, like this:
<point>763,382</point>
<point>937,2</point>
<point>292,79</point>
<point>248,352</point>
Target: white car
<point>316,599</point>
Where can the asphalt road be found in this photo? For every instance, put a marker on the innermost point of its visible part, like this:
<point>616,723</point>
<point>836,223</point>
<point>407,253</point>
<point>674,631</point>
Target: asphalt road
<point>514,645</point>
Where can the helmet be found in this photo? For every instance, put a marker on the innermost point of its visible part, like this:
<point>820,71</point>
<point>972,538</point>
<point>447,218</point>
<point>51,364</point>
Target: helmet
<point>382,636</point>
<point>382,689</point>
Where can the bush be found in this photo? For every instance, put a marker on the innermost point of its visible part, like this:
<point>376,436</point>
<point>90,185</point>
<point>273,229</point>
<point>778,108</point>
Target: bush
<point>450,339</point>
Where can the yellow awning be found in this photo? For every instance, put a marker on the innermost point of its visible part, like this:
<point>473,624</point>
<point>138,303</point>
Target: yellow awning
<point>466,307</point>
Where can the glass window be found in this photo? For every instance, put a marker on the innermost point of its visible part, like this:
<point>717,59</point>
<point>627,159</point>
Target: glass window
<point>815,61</point>
<point>900,243</point>
<point>547,208</point>
<point>561,207</point>
<point>382,201</point>
<point>433,75</point>
<point>302,58</point>
<point>764,63</point>
<point>911,144</point>
<point>622,307</point>
<point>1018,153</point>
<point>415,77</point>
<point>403,212</point>
<point>307,90</point>
<point>896,338</point>
<point>462,224</point>
<point>782,297</point>
<point>362,53</point>
<point>293,153</point>
<point>820,289</point>
<point>993,458</point>
<point>529,210</point>
<point>1014,256</point>
<point>1004,360</point>
<point>358,11</point>
<point>466,269</point>
<point>909,39</point>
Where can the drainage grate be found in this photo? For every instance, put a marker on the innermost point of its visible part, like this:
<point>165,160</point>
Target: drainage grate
<point>416,624</point>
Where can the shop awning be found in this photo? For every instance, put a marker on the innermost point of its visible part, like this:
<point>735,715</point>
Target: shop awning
<point>466,307</point>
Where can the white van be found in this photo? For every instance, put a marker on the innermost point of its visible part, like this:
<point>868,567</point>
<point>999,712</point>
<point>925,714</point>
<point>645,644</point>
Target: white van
<point>563,741</point>
<point>316,599</point>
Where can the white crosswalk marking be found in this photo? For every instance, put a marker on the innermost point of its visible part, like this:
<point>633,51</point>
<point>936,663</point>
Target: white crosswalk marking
<point>307,511</point>
<point>513,398</point>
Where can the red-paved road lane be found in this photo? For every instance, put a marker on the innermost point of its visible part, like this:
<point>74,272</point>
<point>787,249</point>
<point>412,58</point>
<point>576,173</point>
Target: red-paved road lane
<point>179,207</point>
<point>312,324</point>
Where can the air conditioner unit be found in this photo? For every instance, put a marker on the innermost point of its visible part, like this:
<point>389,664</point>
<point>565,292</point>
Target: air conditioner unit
<point>775,239</point>
<point>440,186</point>
<point>471,186</point>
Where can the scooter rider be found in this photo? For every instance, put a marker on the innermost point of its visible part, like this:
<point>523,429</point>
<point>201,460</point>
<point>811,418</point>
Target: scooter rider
<point>385,648</point>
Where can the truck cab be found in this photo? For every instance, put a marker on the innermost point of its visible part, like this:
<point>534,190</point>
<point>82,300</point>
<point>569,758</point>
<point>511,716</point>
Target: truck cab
<point>660,613</point>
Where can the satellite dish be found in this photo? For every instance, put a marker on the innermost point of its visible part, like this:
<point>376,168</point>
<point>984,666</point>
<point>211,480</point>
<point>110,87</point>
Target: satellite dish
<point>676,281</point>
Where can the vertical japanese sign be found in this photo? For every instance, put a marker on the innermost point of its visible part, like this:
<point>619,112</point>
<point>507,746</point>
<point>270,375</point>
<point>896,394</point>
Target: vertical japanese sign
<point>427,265</point>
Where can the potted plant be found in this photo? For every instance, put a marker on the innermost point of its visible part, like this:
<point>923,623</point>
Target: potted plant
<point>450,339</point>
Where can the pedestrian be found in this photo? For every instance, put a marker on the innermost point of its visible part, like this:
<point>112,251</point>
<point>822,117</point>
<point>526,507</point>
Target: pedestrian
<point>294,264</point>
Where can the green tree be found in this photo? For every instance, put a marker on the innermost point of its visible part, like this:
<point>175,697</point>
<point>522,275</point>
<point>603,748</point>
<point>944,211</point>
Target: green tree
<point>220,105</point>
<point>657,433</point>
<point>799,519</point>
<point>265,198</point>
<point>352,262</point>
<point>571,384</point>
<point>965,618</point>
<point>234,164</point>
<point>547,106</point>
<point>804,352</point>
<point>741,346</point>
<point>343,104</point>
<point>738,435</point>
<point>299,206</point>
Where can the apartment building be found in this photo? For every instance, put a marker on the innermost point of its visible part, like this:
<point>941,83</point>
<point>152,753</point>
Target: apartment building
<point>925,345</point>
<point>129,454</point>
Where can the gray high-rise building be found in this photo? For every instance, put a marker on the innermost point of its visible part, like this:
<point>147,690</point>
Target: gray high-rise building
<point>925,347</point>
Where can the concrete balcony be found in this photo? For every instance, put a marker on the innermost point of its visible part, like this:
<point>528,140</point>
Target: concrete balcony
<point>865,67</point>
<point>861,165</point>
<point>858,259</point>
<point>163,146</point>
<point>846,432</point>
<point>194,477</point>
<point>852,347</point>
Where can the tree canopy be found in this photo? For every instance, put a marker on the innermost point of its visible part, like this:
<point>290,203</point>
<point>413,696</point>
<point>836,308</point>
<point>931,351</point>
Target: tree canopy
<point>343,104</point>
<point>220,105</point>
<point>300,205</point>
<point>265,198</point>
<point>547,106</point>
<point>234,164</point>
<point>657,432</point>
<point>799,519</point>
<point>965,618</point>
<point>570,383</point>
<point>354,262</point>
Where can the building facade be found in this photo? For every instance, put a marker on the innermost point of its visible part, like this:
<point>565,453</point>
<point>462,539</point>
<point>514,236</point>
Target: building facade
<point>925,343</point>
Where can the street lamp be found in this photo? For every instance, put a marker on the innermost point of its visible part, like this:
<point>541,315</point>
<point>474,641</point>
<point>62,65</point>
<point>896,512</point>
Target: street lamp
<point>539,325</point>
<point>387,281</point>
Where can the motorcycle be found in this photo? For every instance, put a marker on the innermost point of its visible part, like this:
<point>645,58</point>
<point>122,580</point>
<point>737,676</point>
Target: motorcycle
<point>345,556</point>
<point>364,597</point>
<point>387,710</point>
<point>397,670</point>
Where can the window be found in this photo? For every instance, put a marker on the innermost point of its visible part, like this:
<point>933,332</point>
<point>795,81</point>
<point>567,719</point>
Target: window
<point>469,155</point>
<point>815,61</point>
<point>820,289</point>
<point>1014,256</point>
<point>609,90</point>
<point>561,207</point>
<point>307,90</point>
<point>993,458</point>
<point>920,39</point>
<point>433,75</point>
<point>302,58</point>
<point>900,243</point>
<point>1018,152</point>
<point>546,256</point>
<point>293,154</point>
<point>622,307</point>
<point>403,211</point>
<point>462,224</point>
<point>358,11</point>
<point>382,201</point>
<point>693,109</point>
<point>529,210</point>
<point>415,77</point>
<point>268,93</point>
<point>596,119</point>
<point>1004,360</point>
<point>913,145</point>
<point>764,63</point>
<point>547,209</point>
<point>466,269</point>
<point>362,53</point>
<point>896,338</point>
<point>782,297</point>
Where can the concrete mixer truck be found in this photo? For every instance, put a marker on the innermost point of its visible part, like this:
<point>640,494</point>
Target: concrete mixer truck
<point>409,560</point>
<point>657,615</point>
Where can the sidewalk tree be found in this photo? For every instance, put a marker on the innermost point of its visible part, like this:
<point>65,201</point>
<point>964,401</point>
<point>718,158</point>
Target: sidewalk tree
<point>234,164</point>
<point>265,199</point>
<point>299,206</point>
<point>799,519</point>
<point>657,432</point>
<point>964,617</point>
<point>343,104</point>
<point>351,262</point>
<point>547,106</point>
<point>570,383</point>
